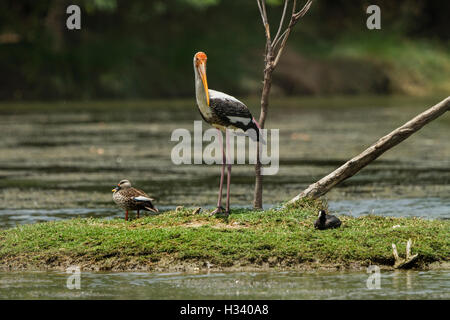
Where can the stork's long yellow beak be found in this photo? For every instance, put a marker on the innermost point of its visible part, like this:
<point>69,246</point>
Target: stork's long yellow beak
<point>202,72</point>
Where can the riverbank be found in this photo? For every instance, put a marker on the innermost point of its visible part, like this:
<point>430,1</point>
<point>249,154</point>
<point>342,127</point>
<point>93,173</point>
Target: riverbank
<point>247,240</point>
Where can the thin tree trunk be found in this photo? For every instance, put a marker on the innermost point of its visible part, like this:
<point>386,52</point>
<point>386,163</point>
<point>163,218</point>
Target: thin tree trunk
<point>257,202</point>
<point>272,54</point>
<point>352,166</point>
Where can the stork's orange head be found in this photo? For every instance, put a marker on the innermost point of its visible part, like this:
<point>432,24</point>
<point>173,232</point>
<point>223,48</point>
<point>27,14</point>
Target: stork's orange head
<point>200,57</point>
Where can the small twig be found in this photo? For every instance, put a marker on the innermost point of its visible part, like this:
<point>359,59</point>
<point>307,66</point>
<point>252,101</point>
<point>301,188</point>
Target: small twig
<point>294,19</point>
<point>303,11</point>
<point>263,12</point>
<point>286,34</point>
<point>281,22</point>
<point>274,45</point>
<point>272,53</point>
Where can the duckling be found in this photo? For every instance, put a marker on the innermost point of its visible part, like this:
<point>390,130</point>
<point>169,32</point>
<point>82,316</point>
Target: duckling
<point>326,221</point>
<point>129,198</point>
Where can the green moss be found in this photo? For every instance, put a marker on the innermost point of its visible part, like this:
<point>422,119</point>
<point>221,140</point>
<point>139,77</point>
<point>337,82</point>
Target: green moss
<point>281,238</point>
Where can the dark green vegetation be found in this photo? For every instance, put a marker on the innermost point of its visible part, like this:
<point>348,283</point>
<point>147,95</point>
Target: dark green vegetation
<point>283,239</point>
<point>144,49</point>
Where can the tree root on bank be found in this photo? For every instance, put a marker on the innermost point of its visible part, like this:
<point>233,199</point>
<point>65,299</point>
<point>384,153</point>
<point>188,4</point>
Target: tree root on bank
<point>406,263</point>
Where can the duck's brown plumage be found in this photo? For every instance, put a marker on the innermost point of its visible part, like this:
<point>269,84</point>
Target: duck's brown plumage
<point>125,198</point>
<point>129,198</point>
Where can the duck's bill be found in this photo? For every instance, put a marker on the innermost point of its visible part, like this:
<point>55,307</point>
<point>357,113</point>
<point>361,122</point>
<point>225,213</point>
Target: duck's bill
<point>154,209</point>
<point>115,189</point>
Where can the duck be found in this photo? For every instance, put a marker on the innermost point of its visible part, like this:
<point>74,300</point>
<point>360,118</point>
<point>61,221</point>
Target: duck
<point>326,221</point>
<point>129,198</point>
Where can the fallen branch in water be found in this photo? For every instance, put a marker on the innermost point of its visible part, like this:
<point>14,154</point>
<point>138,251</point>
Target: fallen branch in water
<point>354,165</point>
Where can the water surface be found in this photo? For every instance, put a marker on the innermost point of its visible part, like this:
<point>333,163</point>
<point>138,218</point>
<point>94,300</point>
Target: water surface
<point>237,285</point>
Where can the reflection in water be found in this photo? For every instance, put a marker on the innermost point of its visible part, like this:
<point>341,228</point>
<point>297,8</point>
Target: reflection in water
<point>403,278</point>
<point>239,285</point>
<point>408,279</point>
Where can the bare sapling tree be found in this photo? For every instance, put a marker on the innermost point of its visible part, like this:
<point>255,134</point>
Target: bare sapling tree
<point>273,50</point>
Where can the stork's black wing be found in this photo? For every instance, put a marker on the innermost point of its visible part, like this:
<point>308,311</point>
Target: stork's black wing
<point>232,112</point>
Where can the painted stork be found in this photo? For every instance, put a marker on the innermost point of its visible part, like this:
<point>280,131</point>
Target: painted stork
<point>223,112</point>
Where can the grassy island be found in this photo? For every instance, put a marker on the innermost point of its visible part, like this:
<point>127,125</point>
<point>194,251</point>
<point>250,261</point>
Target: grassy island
<point>181,240</point>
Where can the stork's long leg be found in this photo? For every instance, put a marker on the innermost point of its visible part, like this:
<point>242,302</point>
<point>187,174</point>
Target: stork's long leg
<point>227,211</point>
<point>219,200</point>
<point>126,215</point>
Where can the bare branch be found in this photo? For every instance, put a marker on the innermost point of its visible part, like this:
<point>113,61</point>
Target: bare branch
<point>274,45</point>
<point>263,12</point>
<point>281,22</point>
<point>293,8</point>
<point>283,44</point>
<point>264,19</point>
<point>303,11</point>
<point>294,19</point>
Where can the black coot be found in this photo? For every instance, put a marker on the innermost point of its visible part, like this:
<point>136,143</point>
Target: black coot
<point>326,221</point>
